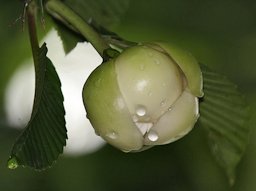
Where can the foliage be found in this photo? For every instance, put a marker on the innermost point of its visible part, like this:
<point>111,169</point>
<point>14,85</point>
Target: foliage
<point>45,135</point>
<point>223,110</point>
<point>225,116</point>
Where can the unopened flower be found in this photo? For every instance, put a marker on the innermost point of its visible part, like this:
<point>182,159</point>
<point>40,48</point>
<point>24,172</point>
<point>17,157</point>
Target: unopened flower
<point>146,96</point>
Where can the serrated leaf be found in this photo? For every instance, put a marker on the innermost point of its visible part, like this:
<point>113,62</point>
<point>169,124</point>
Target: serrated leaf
<point>224,115</point>
<point>45,135</point>
<point>68,37</point>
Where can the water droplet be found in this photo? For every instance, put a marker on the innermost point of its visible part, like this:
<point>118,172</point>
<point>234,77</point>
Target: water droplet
<point>141,111</point>
<point>112,135</point>
<point>170,108</point>
<point>12,163</point>
<point>157,62</point>
<point>163,103</point>
<point>150,93</point>
<point>98,82</point>
<point>153,136</point>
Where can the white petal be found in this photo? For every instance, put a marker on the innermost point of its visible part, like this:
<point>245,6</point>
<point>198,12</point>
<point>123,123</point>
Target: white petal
<point>148,79</point>
<point>107,110</point>
<point>176,122</point>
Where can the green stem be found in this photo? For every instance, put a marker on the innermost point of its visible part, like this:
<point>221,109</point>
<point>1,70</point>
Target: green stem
<point>59,10</point>
<point>32,31</point>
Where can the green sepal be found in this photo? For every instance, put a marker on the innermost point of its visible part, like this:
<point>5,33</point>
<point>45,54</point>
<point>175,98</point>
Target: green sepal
<point>107,111</point>
<point>189,66</point>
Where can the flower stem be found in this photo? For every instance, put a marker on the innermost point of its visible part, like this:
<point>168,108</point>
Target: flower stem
<point>59,10</point>
<point>30,13</point>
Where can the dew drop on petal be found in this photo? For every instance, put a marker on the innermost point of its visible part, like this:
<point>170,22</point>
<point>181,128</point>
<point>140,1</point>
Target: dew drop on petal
<point>153,136</point>
<point>163,103</point>
<point>141,111</point>
<point>112,135</point>
<point>157,62</point>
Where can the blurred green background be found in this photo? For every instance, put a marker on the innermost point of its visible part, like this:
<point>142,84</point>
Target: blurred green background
<point>220,33</point>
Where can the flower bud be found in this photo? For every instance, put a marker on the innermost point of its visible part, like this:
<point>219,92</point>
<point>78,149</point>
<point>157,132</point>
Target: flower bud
<point>146,96</point>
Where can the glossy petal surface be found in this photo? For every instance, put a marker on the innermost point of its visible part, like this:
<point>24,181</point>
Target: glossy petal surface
<point>149,81</point>
<point>188,65</point>
<point>176,122</point>
<point>107,110</point>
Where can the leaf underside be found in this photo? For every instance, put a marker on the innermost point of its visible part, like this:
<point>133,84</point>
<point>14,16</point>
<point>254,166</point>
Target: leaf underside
<point>45,135</point>
<point>224,115</point>
<point>68,37</point>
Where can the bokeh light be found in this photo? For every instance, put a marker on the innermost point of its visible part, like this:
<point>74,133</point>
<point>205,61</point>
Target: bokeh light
<point>73,69</point>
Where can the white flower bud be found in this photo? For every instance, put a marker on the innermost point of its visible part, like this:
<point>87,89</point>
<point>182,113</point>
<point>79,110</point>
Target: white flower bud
<point>146,96</point>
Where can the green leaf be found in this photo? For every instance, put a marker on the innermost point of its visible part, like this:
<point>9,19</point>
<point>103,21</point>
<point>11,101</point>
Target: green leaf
<point>45,135</point>
<point>224,115</point>
<point>69,38</point>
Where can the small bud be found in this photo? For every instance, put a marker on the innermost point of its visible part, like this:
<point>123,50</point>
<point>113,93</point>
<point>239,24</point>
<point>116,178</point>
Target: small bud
<point>146,96</point>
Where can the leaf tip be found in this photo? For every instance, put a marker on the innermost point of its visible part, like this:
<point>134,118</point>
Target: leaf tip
<point>12,163</point>
<point>231,179</point>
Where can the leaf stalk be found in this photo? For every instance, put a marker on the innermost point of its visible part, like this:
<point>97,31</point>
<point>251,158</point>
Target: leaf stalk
<point>60,11</point>
<point>31,11</point>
